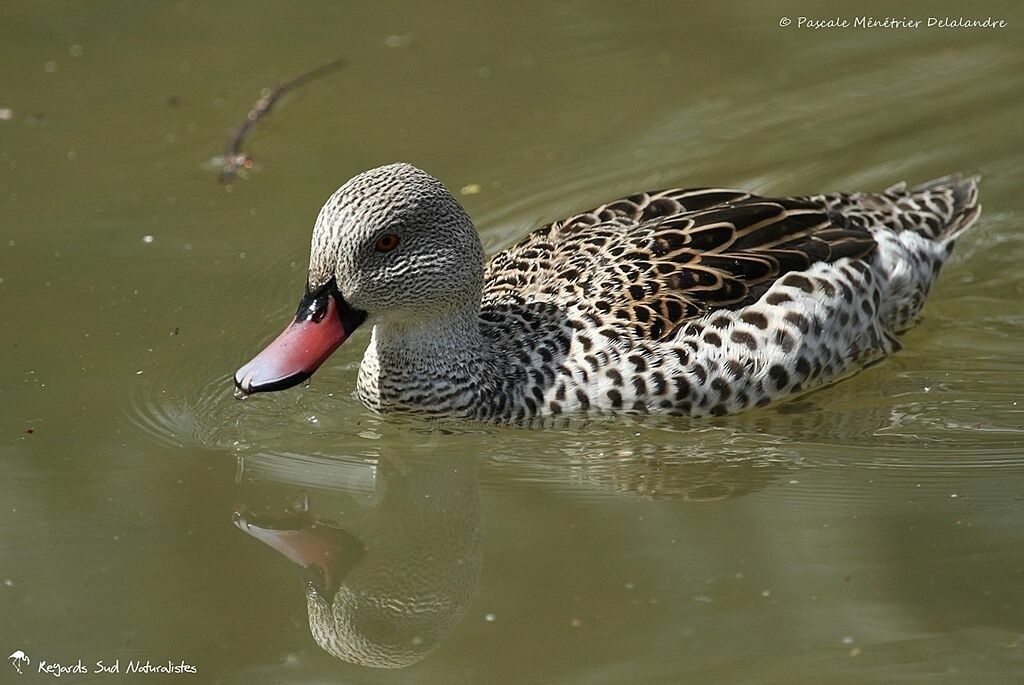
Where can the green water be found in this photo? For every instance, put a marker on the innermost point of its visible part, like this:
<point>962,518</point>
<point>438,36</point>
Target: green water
<point>872,532</point>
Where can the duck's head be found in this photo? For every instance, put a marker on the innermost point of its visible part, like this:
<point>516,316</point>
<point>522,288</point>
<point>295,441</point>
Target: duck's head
<point>391,245</point>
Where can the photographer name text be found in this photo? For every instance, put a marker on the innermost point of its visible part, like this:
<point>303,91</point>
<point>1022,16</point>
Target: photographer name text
<point>912,23</point>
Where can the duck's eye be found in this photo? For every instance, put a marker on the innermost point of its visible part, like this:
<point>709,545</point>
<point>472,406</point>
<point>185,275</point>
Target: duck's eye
<point>386,243</point>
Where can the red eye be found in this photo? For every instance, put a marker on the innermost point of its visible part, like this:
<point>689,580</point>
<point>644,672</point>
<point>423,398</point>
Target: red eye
<point>386,243</point>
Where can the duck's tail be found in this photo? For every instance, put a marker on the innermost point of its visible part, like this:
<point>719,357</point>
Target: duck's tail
<point>953,200</point>
<point>939,210</point>
<point>923,222</point>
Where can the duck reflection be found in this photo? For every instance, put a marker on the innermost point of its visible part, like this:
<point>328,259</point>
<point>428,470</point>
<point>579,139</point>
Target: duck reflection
<point>389,580</point>
<point>390,545</point>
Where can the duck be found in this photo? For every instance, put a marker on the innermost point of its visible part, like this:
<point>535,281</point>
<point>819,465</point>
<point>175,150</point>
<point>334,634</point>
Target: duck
<point>688,301</point>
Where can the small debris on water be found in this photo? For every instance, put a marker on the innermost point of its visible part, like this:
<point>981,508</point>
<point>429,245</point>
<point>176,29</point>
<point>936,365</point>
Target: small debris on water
<point>8,582</point>
<point>6,114</point>
<point>300,505</point>
<point>576,622</point>
<point>490,618</point>
<point>148,239</point>
<point>50,67</point>
<point>396,41</point>
<point>470,189</point>
<point>75,50</point>
<point>235,160</point>
<point>848,640</point>
<point>30,431</point>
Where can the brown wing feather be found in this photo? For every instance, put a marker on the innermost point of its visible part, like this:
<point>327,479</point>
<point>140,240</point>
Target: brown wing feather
<point>655,260</point>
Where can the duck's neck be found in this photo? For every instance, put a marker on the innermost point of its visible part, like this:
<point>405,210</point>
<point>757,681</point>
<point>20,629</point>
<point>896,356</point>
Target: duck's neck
<point>437,365</point>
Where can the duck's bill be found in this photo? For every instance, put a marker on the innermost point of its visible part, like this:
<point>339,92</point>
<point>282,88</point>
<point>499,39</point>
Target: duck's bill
<point>322,323</point>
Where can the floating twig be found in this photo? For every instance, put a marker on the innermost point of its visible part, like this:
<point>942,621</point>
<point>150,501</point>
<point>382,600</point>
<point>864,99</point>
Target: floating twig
<point>234,158</point>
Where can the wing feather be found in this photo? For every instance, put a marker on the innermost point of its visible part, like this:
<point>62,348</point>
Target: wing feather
<point>656,260</point>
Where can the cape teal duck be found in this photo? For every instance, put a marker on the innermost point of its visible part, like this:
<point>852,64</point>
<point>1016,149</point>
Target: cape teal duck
<point>686,301</point>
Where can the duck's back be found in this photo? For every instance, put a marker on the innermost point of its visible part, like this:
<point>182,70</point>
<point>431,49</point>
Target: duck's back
<point>709,301</point>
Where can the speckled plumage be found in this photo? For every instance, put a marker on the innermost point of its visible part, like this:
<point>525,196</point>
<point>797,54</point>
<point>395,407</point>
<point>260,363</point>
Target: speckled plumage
<point>692,302</point>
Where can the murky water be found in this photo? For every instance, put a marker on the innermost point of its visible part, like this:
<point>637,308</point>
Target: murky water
<point>869,532</point>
